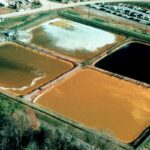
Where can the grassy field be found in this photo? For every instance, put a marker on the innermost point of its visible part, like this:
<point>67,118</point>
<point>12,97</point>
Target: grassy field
<point>106,25</point>
<point>12,22</point>
<point>145,145</point>
<point>25,21</point>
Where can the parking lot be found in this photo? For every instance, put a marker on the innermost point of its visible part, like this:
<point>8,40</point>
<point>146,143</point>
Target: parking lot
<point>134,13</point>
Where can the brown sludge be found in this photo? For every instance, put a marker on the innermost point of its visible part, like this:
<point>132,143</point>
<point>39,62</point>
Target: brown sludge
<point>102,102</point>
<point>22,70</point>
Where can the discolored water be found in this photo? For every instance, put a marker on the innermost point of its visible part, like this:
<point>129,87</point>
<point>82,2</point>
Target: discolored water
<point>132,60</point>
<point>22,70</point>
<point>101,102</point>
<point>72,39</point>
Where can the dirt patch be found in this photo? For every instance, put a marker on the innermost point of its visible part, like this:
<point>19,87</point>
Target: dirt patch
<point>6,10</point>
<point>33,121</point>
<point>63,24</point>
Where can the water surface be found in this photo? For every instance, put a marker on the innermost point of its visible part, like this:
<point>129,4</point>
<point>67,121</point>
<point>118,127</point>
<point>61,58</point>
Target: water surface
<point>22,70</point>
<point>102,102</point>
<point>72,38</point>
<point>132,60</point>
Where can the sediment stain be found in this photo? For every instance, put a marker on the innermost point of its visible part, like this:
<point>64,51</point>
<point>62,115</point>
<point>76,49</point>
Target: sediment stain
<point>73,39</point>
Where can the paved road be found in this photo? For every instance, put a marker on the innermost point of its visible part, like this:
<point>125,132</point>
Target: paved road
<point>47,5</point>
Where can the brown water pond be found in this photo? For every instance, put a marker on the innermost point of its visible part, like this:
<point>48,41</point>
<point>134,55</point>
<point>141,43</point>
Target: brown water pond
<point>22,70</point>
<point>102,102</point>
<point>131,60</point>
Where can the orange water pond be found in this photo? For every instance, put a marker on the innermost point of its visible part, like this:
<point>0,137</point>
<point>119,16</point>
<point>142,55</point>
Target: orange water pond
<point>102,102</point>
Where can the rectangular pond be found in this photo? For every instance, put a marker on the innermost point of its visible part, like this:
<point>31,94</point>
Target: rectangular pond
<point>131,60</point>
<point>22,70</point>
<point>72,39</point>
<point>101,102</point>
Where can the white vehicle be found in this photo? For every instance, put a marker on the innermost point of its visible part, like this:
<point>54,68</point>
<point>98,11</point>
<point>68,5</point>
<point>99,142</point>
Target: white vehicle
<point>125,16</point>
<point>93,6</point>
<point>148,12</point>
<point>97,7</point>
<point>120,4</point>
